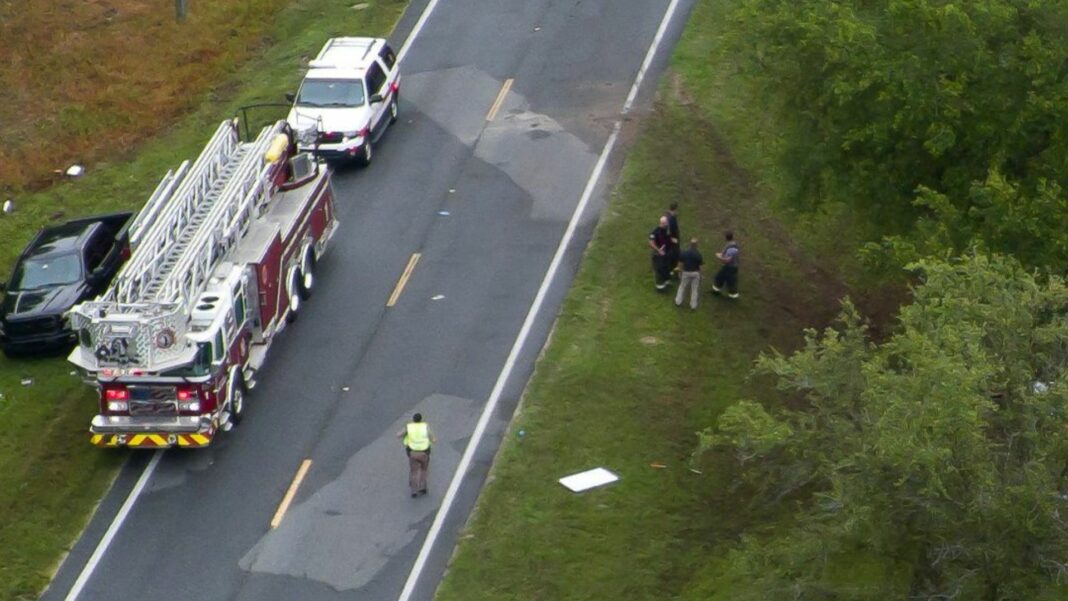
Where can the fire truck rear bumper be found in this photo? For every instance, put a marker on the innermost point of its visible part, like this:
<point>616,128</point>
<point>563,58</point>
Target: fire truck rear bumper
<point>152,433</point>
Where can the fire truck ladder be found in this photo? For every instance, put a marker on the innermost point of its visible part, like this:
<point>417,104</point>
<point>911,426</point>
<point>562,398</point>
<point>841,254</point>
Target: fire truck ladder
<point>198,213</point>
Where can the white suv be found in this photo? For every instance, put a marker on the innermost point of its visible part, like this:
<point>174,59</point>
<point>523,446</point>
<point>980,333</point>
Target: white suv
<point>349,97</point>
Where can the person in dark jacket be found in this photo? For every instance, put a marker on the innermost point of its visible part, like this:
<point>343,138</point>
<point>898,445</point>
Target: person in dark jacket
<point>673,234</point>
<point>659,241</point>
<point>728,273</point>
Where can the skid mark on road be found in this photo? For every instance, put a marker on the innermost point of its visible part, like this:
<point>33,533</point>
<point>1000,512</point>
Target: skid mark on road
<point>346,532</point>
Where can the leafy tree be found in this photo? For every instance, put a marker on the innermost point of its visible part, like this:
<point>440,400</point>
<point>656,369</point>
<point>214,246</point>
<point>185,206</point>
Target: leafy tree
<point>940,453</point>
<point>947,114</point>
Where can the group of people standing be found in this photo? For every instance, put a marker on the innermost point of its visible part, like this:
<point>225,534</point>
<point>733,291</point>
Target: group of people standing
<point>669,260</point>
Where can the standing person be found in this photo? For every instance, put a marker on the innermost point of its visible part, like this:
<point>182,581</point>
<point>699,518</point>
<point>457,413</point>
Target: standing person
<point>673,233</point>
<point>417,440</point>
<point>691,275</point>
<point>728,274</point>
<point>659,239</point>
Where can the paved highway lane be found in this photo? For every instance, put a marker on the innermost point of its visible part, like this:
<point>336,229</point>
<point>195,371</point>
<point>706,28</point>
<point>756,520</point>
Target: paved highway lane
<point>506,107</point>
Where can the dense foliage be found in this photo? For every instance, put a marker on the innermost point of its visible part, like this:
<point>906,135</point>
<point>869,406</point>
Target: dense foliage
<point>939,455</point>
<point>945,122</point>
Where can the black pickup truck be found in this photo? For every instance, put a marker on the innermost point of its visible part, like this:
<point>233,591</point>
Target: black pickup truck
<point>62,266</point>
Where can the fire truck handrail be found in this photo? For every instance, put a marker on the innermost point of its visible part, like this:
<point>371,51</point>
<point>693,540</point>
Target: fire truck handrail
<point>146,217</point>
<point>176,206</point>
<point>211,242</point>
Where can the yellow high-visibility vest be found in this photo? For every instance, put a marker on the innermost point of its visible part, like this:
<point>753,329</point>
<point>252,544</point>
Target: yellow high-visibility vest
<point>418,437</point>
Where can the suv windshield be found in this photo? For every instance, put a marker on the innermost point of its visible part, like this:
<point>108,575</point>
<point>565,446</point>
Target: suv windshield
<point>48,271</point>
<point>331,92</point>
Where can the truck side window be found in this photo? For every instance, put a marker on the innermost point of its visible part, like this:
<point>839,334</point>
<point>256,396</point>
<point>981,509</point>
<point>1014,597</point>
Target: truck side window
<point>219,348</point>
<point>96,251</point>
<point>239,305</point>
<point>388,58</point>
<point>375,79</point>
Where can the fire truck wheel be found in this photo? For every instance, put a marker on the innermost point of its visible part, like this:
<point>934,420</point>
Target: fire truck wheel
<point>237,398</point>
<point>394,108</point>
<point>368,153</point>
<point>307,277</point>
<point>294,296</point>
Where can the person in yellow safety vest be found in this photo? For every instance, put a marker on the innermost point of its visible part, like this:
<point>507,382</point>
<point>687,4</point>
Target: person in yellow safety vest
<point>417,440</point>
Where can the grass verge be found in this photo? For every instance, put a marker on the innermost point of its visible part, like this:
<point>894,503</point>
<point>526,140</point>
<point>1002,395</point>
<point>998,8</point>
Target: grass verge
<point>50,478</point>
<point>629,378</point>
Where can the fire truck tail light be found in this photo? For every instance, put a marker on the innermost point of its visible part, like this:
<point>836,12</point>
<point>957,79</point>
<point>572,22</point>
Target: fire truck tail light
<point>117,394</point>
<point>186,393</point>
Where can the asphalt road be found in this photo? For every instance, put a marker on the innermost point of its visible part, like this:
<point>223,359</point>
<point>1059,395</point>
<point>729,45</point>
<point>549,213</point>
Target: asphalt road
<point>485,203</point>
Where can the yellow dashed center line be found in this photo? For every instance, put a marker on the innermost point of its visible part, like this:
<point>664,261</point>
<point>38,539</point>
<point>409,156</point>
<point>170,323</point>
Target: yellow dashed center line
<point>292,492</point>
<point>500,99</point>
<point>403,280</point>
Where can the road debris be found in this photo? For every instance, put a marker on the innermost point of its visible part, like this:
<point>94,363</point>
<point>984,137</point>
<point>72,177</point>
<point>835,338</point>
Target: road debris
<point>437,297</point>
<point>588,479</point>
<point>27,381</point>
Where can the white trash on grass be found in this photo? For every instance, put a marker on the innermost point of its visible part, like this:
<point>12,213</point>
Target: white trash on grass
<point>588,479</point>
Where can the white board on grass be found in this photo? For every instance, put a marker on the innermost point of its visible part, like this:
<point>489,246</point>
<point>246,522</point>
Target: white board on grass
<point>588,479</point>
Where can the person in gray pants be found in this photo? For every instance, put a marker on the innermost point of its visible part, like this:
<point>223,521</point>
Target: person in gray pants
<point>691,262</point>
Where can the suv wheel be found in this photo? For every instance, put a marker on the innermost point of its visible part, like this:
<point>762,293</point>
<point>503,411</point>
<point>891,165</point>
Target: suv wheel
<point>368,152</point>
<point>394,109</point>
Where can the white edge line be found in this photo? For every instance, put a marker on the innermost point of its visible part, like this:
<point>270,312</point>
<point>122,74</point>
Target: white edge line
<point>650,55</point>
<point>415,30</point>
<point>535,307</point>
<point>113,529</point>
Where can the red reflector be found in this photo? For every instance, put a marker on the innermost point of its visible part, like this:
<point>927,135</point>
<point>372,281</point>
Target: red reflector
<point>116,394</point>
<point>365,132</point>
<point>186,393</point>
<point>394,86</point>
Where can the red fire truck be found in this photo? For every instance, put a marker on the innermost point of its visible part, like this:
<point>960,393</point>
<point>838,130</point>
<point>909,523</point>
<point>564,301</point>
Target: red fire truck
<point>223,255</point>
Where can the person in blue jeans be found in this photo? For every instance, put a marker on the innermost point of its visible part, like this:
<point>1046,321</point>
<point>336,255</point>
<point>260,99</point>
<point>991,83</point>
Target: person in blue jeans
<point>728,273</point>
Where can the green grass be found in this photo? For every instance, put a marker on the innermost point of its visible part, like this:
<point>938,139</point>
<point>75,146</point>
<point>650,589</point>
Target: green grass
<point>628,379</point>
<point>50,477</point>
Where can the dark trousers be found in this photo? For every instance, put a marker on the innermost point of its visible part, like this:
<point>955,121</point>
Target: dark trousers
<point>661,269</point>
<point>727,276</point>
<point>672,253</point>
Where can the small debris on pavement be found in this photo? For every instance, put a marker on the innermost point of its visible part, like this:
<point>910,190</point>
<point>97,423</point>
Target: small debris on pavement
<point>437,297</point>
<point>344,388</point>
<point>537,29</point>
<point>588,479</point>
<point>452,190</point>
<point>443,213</point>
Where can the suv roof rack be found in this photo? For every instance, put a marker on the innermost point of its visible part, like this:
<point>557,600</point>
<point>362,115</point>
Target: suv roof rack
<point>356,44</point>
